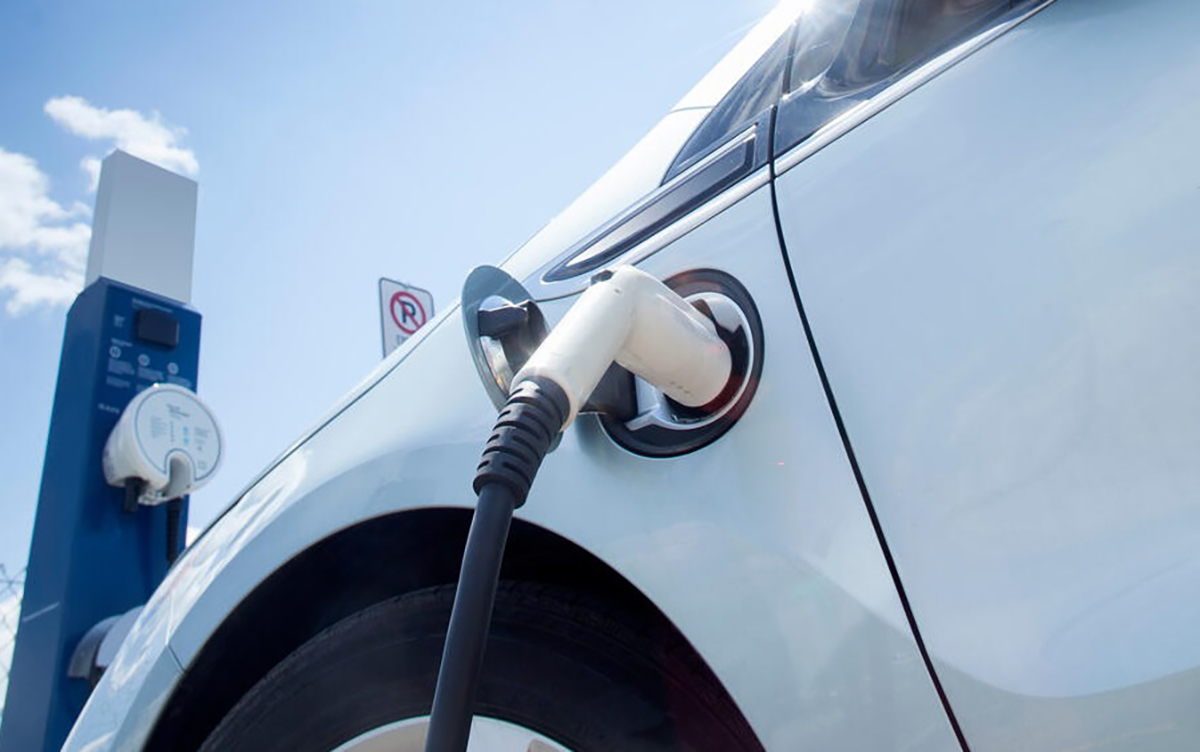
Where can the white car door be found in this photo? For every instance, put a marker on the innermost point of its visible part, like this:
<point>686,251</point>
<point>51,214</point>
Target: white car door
<point>1000,268</point>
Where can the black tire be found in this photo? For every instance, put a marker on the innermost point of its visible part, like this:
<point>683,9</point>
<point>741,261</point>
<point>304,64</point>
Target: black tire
<point>571,668</point>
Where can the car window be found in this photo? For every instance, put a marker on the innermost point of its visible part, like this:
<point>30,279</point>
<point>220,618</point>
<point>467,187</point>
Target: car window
<point>847,50</point>
<point>925,28</point>
<point>820,38</point>
<point>760,88</point>
<point>887,37</point>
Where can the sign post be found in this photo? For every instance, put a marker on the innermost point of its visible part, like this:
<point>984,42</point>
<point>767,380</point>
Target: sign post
<point>403,310</point>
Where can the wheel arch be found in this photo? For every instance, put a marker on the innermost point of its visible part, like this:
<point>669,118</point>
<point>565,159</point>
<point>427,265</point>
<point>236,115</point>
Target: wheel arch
<point>348,571</point>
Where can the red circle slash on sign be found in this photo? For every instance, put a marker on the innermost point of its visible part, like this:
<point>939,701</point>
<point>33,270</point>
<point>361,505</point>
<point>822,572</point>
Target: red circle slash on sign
<point>407,312</point>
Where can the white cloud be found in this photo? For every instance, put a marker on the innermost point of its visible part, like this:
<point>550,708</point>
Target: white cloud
<point>91,165</point>
<point>31,288</point>
<point>43,245</point>
<point>146,137</point>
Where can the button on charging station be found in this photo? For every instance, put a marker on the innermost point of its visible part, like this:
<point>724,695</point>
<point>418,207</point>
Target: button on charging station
<point>156,327</point>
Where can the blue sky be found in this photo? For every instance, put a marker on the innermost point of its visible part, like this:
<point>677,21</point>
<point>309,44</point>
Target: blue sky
<point>334,143</point>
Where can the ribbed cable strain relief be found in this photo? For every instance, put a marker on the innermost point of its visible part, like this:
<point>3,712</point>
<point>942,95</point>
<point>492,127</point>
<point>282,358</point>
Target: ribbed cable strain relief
<point>524,432</point>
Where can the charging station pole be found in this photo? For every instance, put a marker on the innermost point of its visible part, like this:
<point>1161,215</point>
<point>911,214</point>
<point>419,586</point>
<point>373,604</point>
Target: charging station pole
<point>131,327</point>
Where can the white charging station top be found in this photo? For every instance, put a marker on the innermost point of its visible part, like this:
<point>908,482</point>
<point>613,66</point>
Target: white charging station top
<point>144,227</point>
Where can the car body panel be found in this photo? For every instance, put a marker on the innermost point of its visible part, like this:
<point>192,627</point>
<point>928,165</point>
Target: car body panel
<point>709,90</point>
<point>637,173</point>
<point>1006,311</point>
<point>136,686</point>
<point>772,571</point>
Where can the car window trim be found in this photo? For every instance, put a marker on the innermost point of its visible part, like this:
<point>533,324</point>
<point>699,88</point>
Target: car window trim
<point>721,167</point>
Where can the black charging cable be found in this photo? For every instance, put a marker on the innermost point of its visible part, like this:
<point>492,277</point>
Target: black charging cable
<point>524,433</point>
<point>174,516</point>
<point>134,487</point>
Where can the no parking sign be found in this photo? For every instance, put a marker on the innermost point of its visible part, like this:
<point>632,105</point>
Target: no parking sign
<point>404,310</point>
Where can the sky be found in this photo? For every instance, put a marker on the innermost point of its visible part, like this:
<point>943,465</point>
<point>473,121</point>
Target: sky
<point>334,144</point>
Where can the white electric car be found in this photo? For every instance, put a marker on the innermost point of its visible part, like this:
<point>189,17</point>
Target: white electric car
<point>950,500</point>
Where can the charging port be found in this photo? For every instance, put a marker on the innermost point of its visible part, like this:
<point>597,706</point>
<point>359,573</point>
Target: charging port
<point>662,427</point>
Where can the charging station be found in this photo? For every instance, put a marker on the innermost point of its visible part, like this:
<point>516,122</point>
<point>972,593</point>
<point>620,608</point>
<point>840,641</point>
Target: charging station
<point>93,555</point>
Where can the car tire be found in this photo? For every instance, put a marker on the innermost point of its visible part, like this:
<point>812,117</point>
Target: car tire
<point>568,667</point>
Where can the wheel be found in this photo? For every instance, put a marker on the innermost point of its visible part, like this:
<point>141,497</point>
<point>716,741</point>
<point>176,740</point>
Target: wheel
<point>562,671</point>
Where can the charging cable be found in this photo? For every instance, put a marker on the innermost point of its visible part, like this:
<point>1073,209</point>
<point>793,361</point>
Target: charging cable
<point>626,317</point>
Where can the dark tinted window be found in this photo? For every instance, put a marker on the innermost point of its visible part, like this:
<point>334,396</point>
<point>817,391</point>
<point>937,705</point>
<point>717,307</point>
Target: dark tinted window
<point>760,88</point>
<point>846,50</point>
<point>926,28</point>
<point>898,35</point>
<point>820,38</point>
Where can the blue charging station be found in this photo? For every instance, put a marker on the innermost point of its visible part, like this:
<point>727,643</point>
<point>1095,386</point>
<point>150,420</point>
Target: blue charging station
<point>90,558</point>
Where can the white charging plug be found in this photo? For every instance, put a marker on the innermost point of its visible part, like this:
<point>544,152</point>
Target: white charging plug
<point>634,320</point>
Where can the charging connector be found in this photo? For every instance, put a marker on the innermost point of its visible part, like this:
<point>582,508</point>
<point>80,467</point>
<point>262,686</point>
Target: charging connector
<point>631,318</point>
<point>627,317</point>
